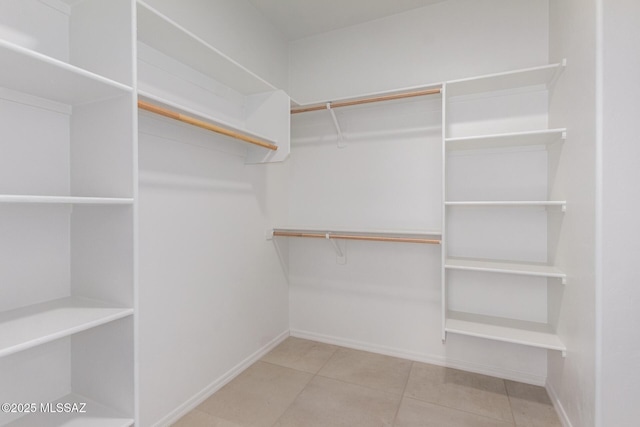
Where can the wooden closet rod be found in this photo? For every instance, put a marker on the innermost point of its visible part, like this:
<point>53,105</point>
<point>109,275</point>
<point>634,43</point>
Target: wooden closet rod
<point>367,100</point>
<point>143,105</point>
<point>357,237</point>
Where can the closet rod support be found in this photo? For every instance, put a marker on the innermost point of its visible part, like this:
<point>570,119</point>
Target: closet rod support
<point>337,125</point>
<point>362,237</point>
<point>156,109</point>
<point>360,101</point>
<point>335,245</point>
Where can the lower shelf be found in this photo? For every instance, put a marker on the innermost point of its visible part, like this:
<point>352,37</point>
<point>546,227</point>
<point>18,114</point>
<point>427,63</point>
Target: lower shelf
<point>500,329</point>
<point>518,268</point>
<point>94,415</point>
<point>30,326</point>
<point>67,200</point>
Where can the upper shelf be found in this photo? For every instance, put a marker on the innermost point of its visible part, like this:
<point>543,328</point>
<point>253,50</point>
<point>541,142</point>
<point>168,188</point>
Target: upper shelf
<point>170,38</point>
<point>513,139</point>
<point>543,75</point>
<point>33,73</point>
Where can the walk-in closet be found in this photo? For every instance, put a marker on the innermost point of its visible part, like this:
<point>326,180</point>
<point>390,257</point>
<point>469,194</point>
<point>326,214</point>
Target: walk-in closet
<point>190,188</point>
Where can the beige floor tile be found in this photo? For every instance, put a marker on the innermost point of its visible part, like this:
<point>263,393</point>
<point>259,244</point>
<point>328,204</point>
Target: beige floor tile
<point>469,392</point>
<point>304,355</point>
<point>258,396</point>
<point>198,418</point>
<point>531,406</point>
<point>327,402</point>
<point>415,413</point>
<point>368,369</point>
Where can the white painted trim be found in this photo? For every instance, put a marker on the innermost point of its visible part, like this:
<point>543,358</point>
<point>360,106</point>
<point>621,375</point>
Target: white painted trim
<point>557,404</point>
<point>216,385</point>
<point>424,358</point>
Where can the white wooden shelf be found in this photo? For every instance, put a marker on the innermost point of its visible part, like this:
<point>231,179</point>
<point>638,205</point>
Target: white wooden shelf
<point>58,200</point>
<point>535,76</point>
<point>513,139</point>
<point>167,36</point>
<point>165,103</point>
<point>506,267</point>
<point>97,415</point>
<point>33,73</point>
<point>511,203</point>
<point>34,325</point>
<point>507,330</point>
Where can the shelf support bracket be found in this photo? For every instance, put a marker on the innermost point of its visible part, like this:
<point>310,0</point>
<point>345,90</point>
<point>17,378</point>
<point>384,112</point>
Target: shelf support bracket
<point>341,143</point>
<point>341,257</point>
<point>564,354</point>
<point>556,76</point>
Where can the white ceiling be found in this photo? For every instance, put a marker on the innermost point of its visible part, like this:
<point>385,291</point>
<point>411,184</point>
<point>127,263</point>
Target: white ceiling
<point>301,18</point>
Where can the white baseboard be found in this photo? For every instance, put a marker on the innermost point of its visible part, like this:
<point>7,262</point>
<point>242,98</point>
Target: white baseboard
<point>425,358</point>
<point>204,394</point>
<point>562,414</point>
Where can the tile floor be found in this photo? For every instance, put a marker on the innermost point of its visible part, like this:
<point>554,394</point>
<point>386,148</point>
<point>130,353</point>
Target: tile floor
<point>303,383</point>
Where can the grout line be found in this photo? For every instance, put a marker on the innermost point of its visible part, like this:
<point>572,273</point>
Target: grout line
<point>358,385</point>
<point>335,350</point>
<point>295,398</point>
<point>455,408</point>
<point>506,390</point>
<point>404,390</point>
<point>475,414</point>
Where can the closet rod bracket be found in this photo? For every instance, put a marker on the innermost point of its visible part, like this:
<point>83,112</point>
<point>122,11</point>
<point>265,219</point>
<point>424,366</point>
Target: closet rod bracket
<point>341,257</point>
<point>341,143</point>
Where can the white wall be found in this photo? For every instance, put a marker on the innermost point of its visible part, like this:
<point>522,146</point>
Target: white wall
<point>619,317</point>
<point>238,30</point>
<point>445,41</point>
<point>212,294</point>
<point>571,381</point>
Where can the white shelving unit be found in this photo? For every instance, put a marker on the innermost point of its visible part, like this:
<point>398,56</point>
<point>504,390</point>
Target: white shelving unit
<point>31,73</point>
<point>544,75</point>
<point>511,203</point>
<point>100,416</point>
<point>507,330</point>
<point>470,134</point>
<point>169,37</point>
<point>512,139</point>
<point>180,70</point>
<point>67,201</point>
<point>505,267</point>
<point>40,323</point>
